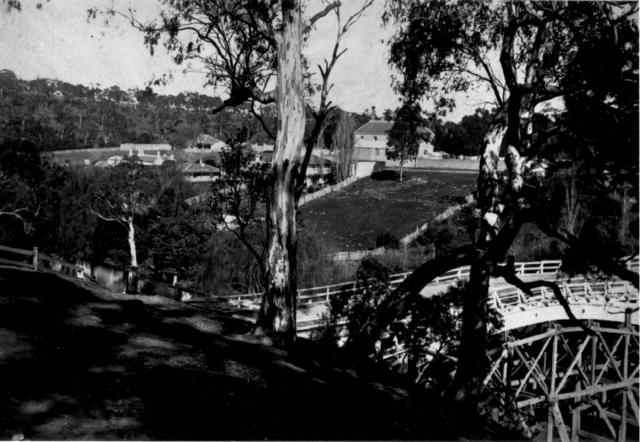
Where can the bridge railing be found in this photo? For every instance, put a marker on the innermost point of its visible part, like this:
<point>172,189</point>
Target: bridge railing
<point>322,294</point>
<point>598,292</point>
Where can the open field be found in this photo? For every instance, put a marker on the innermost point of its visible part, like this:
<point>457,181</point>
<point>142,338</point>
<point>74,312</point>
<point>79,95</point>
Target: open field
<point>353,218</point>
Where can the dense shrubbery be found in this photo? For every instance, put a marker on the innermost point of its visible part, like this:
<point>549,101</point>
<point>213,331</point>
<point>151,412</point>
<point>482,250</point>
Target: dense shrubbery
<point>54,206</point>
<point>429,334</point>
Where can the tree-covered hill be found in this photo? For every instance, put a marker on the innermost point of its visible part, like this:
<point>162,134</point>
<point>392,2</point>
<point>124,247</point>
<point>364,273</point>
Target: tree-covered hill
<point>58,115</point>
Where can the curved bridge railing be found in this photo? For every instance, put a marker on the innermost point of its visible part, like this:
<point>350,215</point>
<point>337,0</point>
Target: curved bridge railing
<point>593,299</point>
<point>322,294</point>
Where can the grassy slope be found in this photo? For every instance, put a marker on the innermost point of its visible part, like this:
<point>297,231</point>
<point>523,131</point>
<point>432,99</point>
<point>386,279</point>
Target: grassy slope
<point>353,218</point>
<point>86,364</point>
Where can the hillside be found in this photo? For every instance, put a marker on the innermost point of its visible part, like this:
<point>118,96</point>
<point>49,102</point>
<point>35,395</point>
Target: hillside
<point>56,115</point>
<point>77,362</point>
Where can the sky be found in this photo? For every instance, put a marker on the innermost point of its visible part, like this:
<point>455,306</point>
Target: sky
<point>57,41</point>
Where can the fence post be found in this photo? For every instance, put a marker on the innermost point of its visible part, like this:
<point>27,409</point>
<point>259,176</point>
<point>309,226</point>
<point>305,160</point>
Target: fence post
<point>35,259</point>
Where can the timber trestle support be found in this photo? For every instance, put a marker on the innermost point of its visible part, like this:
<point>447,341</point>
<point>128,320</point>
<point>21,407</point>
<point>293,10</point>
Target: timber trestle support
<point>585,385</point>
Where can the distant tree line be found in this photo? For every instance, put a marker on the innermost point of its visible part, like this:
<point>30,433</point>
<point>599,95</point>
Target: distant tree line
<point>57,115</point>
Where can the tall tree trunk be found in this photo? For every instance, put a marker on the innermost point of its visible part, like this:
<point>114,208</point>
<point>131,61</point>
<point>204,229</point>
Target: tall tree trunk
<point>131,238</point>
<point>472,356</point>
<point>473,341</point>
<point>277,315</point>
<point>498,227</point>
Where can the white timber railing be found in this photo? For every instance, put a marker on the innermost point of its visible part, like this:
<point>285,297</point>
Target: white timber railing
<point>504,298</point>
<point>322,294</point>
<point>33,259</point>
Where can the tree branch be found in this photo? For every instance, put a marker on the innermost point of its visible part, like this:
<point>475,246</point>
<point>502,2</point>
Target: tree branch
<point>331,6</point>
<point>258,117</point>
<point>108,219</point>
<point>400,300</point>
<point>607,264</point>
<point>508,273</point>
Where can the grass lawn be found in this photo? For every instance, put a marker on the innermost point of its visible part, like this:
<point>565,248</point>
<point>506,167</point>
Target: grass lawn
<point>353,218</point>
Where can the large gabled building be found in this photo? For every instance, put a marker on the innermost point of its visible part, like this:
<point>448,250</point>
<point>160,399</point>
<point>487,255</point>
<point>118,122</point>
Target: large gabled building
<point>370,146</point>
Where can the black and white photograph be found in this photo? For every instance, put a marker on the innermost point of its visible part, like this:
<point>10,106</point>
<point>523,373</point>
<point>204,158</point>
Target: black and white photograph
<point>319,220</point>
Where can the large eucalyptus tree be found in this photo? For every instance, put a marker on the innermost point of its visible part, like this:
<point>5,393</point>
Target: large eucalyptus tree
<point>525,53</point>
<point>253,50</point>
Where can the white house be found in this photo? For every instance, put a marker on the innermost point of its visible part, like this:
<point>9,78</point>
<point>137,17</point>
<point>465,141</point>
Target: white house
<point>143,148</point>
<point>206,143</point>
<point>260,148</point>
<point>370,146</point>
<point>199,172</point>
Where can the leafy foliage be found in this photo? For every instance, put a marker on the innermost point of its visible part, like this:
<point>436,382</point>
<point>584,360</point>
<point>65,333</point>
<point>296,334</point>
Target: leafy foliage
<point>404,136</point>
<point>465,137</point>
<point>57,115</point>
<point>429,334</point>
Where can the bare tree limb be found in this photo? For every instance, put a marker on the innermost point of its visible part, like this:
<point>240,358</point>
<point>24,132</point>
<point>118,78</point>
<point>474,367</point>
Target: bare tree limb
<point>260,119</point>
<point>325,106</point>
<point>508,273</point>
<point>317,16</point>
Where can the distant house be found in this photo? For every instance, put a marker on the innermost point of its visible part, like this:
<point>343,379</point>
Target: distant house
<point>370,146</point>
<point>145,159</point>
<point>154,160</point>
<point>262,147</point>
<point>206,143</point>
<point>199,172</point>
<point>144,148</point>
<point>111,161</point>
<point>319,169</point>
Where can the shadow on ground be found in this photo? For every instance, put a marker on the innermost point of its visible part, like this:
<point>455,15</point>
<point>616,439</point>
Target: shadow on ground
<point>84,364</point>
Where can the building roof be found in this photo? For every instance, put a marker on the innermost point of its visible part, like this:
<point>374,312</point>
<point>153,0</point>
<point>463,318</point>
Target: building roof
<point>137,146</point>
<point>198,168</point>
<point>381,127</point>
<point>374,127</point>
<point>206,139</point>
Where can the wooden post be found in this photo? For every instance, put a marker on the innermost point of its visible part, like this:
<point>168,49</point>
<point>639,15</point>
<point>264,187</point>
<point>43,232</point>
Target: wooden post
<point>622,431</point>
<point>575,424</point>
<point>552,387</point>
<point>35,259</point>
<point>131,286</point>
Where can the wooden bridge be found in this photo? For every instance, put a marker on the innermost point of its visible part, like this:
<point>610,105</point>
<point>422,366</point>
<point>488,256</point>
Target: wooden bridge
<point>602,300</point>
<point>583,384</point>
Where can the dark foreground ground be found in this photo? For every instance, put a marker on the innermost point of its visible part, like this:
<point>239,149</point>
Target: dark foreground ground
<point>81,363</point>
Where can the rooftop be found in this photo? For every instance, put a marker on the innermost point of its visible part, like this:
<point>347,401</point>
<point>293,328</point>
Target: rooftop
<point>198,168</point>
<point>207,139</point>
<point>374,127</point>
<point>381,127</point>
